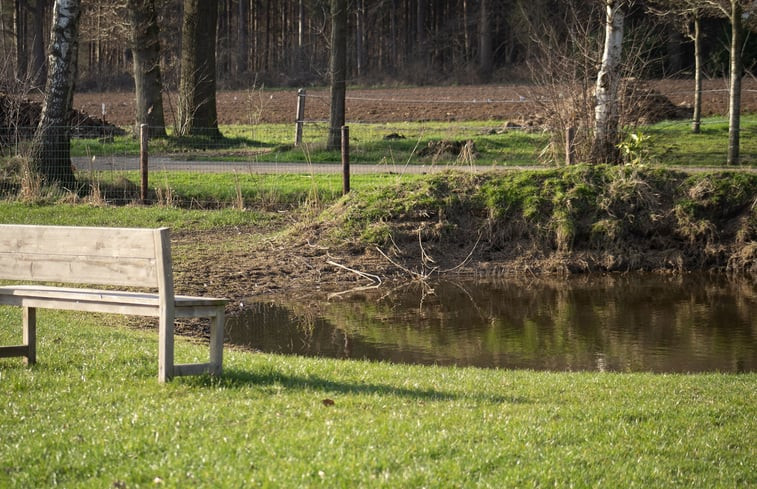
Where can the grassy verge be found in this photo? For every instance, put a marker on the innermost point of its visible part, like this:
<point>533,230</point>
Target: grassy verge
<point>671,143</point>
<point>127,216</point>
<point>91,414</point>
<point>240,190</point>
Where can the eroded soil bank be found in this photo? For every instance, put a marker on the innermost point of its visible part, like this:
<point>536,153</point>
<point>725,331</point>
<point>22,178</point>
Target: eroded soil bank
<point>582,219</point>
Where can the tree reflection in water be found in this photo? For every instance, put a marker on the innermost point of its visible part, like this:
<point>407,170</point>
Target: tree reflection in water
<point>635,322</point>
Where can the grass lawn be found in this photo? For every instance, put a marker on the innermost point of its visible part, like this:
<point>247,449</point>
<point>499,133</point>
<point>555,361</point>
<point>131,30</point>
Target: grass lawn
<point>91,414</point>
<point>670,143</point>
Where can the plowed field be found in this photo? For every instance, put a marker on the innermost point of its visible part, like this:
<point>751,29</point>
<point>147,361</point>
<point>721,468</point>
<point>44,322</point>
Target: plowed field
<point>459,103</point>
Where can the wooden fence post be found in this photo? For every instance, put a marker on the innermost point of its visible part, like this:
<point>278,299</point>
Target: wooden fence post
<point>300,119</point>
<point>570,146</point>
<point>144,132</point>
<point>345,160</point>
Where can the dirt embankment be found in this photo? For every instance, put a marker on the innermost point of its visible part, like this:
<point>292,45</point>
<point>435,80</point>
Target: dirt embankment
<point>557,221</point>
<point>573,220</point>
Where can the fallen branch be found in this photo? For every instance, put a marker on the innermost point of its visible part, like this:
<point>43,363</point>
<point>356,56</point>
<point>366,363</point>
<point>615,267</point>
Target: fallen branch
<point>374,278</point>
<point>403,268</point>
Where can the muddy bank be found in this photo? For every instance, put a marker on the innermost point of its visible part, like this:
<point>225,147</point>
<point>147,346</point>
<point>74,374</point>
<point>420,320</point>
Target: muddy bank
<point>581,219</point>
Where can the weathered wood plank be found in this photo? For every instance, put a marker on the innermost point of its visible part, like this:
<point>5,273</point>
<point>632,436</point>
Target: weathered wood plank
<point>216,343</point>
<point>162,244</point>
<point>81,269</point>
<point>84,306</point>
<point>191,369</point>
<point>91,241</point>
<point>30,334</point>
<point>14,351</point>
<point>73,294</point>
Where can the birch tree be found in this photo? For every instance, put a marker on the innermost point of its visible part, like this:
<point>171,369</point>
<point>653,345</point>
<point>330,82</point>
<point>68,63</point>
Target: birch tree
<point>606,111</point>
<point>687,16</point>
<point>737,12</point>
<point>51,147</point>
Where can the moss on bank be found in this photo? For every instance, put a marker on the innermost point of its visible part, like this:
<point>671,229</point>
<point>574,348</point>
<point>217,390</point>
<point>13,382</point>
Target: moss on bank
<point>580,218</point>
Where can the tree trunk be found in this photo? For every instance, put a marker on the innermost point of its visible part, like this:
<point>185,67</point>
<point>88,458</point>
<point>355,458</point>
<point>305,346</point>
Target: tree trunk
<point>485,55</point>
<point>21,51</point>
<point>197,88</point>
<point>696,119</point>
<point>145,39</point>
<point>606,116</point>
<point>360,38</point>
<point>243,39</point>
<point>421,48</point>
<point>51,148</point>
<point>338,71</point>
<point>38,63</point>
<point>734,96</point>
<point>393,33</point>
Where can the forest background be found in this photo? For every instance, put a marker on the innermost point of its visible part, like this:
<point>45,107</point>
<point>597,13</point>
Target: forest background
<point>286,43</point>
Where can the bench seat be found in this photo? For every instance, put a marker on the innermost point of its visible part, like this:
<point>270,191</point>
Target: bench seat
<point>108,301</point>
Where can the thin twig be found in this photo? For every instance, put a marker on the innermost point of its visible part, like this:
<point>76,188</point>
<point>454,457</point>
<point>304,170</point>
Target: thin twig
<point>462,263</point>
<point>401,267</point>
<point>374,278</point>
<point>425,258</point>
<point>355,289</point>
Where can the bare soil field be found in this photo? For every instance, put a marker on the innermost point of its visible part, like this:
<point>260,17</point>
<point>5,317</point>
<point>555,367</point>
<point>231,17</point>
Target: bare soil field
<point>458,103</point>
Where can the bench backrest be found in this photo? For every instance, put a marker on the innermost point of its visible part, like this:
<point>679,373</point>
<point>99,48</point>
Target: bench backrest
<point>128,257</point>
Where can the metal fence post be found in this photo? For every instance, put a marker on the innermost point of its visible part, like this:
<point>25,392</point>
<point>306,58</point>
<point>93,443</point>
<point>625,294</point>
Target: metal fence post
<point>144,133</point>
<point>300,119</point>
<point>345,160</point>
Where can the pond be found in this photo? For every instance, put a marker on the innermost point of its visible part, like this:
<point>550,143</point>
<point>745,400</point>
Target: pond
<point>636,322</point>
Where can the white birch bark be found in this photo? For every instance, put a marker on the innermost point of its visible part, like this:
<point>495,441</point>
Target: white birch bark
<point>606,117</point>
<point>51,153</point>
<point>736,72</point>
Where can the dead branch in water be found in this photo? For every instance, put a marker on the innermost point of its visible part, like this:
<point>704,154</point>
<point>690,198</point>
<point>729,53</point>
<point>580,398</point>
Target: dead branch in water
<point>374,278</point>
<point>426,270</point>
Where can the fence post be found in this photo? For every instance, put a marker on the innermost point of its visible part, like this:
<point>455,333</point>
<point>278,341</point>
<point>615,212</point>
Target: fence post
<point>300,119</point>
<point>345,160</point>
<point>570,147</point>
<point>144,133</point>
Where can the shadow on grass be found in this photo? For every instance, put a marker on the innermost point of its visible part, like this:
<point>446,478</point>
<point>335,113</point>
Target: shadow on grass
<point>233,378</point>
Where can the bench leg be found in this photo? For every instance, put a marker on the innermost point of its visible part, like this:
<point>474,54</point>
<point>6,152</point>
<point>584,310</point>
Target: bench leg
<point>216,343</point>
<point>165,349</point>
<point>30,335</point>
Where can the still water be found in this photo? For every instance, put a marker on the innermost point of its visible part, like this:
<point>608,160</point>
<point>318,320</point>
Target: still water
<point>690,323</point>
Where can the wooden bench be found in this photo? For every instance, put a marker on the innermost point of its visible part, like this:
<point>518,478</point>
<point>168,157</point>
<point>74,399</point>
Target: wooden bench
<point>113,257</point>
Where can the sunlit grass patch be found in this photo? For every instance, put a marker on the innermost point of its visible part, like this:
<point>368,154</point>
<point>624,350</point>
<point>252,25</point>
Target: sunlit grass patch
<point>91,414</point>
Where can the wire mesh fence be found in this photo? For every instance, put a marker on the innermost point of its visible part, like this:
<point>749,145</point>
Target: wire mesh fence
<point>283,163</point>
<point>248,165</point>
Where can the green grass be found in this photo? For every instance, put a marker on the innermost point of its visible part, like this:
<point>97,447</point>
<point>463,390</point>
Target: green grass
<point>187,189</point>
<point>91,414</point>
<point>671,143</point>
<point>126,216</point>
